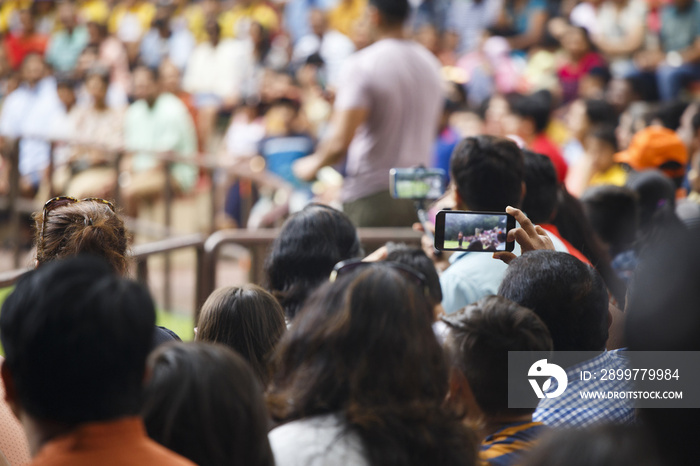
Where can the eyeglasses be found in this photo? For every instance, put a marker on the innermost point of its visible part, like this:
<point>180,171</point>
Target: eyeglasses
<point>349,266</point>
<point>61,201</point>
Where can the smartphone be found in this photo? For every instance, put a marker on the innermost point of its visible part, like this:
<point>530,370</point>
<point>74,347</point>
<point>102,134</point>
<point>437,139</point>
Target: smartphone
<point>459,230</point>
<point>417,183</point>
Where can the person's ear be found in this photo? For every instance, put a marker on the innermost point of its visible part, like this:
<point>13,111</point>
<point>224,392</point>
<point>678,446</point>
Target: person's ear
<point>523,192</point>
<point>459,202</point>
<point>375,18</point>
<point>10,391</point>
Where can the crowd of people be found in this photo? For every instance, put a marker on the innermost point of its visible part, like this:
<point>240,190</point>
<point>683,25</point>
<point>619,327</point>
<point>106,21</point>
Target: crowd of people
<point>276,91</point>
<point>574,117</point>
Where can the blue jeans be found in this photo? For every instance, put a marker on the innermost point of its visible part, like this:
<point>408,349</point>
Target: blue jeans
<point>670,80</point>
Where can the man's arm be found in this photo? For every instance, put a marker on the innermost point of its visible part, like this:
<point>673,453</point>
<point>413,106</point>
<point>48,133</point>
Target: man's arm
<point>332,149</point>
<point>692,53</point>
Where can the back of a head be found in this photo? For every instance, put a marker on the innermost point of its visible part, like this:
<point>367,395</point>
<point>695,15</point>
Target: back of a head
<point>655,191</point>
<point>76,337</point>
<point>247,319</point>
<point>82,227</point>
<point>568,295</point>
<point>488,172</point>
<point>394,12</point>
<point>614,215</point>
<point>541,186</point>
<point>537,107</point>
<point>415,258</point>
<point>669,113</point>
<point>203,402</point>
<point>599,111</point>
<point>302,257</point>
<point>481,336</point>
<point>354,350</point>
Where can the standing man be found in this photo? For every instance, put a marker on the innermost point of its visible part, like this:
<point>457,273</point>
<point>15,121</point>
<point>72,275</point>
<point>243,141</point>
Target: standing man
<point>386,115</point>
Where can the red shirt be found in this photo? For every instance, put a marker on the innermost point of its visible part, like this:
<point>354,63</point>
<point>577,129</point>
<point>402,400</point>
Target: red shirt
<point>18,47</point>
<point>111,443</point>
<point>572,250</point>
<point>542,145</point>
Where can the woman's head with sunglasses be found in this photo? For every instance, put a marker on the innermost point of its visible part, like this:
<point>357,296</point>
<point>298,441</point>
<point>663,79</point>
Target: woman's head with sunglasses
<point>310,243</point>
<point>363,347</point>
<point>68,227</point>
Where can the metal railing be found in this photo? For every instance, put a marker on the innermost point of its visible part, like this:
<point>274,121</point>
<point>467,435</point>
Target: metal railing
<point>207,254</point>
<point>258,242</point>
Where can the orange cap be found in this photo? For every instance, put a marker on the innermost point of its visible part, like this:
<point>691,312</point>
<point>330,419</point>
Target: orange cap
<point>653,147</point>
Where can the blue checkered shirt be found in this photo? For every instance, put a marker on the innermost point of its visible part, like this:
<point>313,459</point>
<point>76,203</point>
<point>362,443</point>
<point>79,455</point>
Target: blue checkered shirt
<point>571,410</point>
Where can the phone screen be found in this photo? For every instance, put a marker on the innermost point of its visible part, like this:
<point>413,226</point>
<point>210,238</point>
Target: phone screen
<point>473,231</point>
<point>417,183</point>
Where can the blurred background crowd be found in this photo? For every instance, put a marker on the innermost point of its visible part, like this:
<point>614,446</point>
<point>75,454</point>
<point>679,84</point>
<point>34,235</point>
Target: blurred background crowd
<point>249,85</point>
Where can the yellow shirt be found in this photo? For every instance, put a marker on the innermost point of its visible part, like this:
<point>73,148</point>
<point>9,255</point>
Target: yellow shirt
<point>9,8</point>
<point>142,12</point>
<point>236,21</point>
<point>615,175</point>
<point>343,17</point>
<point>93,11</point>
<point>194,19</point>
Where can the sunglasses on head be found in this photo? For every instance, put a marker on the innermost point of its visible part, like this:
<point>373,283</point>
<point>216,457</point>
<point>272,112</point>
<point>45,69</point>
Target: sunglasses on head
<point>61,201</point>
<point>352,265</point>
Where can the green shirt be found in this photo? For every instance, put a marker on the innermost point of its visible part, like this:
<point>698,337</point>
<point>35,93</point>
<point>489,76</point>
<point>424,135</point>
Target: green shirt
<point>680,28</point>
<point>165,127</point>
<point>64,48</point>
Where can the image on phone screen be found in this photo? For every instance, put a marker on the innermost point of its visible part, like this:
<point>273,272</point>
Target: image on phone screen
<point>417,183</point>
<point>473,231</point>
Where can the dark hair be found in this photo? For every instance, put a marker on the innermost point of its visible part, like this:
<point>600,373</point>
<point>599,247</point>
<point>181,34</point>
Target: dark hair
<point>602,73</point>
<point>606,133</point>
<point>670,113</point>
<point>479,340</point>
<point>302,257</point>
<point>153,71</point>
<point>599,111</point>
<point>82,227</point>
<point>568,295</point>
<point>76,337</point>
<point>247,319</point>
<point>537,107</point>
<point>600,445</point>
<point>541,187</point>
<point>363,347</point>
<point>203,402</point>
<point>573,225</point>
<point>415,258</point>
<point>613,214</point>
<point>98,71</point>
<point>393,11</point>
<point>488,172</point>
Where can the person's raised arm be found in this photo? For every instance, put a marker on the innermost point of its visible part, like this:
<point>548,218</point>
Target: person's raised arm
<point>332,149</point>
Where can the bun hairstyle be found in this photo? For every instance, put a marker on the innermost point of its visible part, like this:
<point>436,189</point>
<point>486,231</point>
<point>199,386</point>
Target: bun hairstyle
<point>84,227</point>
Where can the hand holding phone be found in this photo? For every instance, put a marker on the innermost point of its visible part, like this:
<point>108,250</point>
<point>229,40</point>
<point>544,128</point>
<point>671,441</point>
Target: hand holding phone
<point>457,230</point>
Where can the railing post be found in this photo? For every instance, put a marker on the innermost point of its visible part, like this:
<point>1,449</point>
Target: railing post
<point>167,265</point>
<point>142,270</point>
<point>118,156</point>
<point>200,294</point>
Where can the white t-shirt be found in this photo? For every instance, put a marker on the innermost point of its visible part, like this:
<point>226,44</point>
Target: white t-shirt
<point>398,82</point>
<point>316,441</point>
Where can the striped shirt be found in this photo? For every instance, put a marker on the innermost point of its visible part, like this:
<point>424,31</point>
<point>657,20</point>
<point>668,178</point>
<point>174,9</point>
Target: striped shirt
<point>506,446</point>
